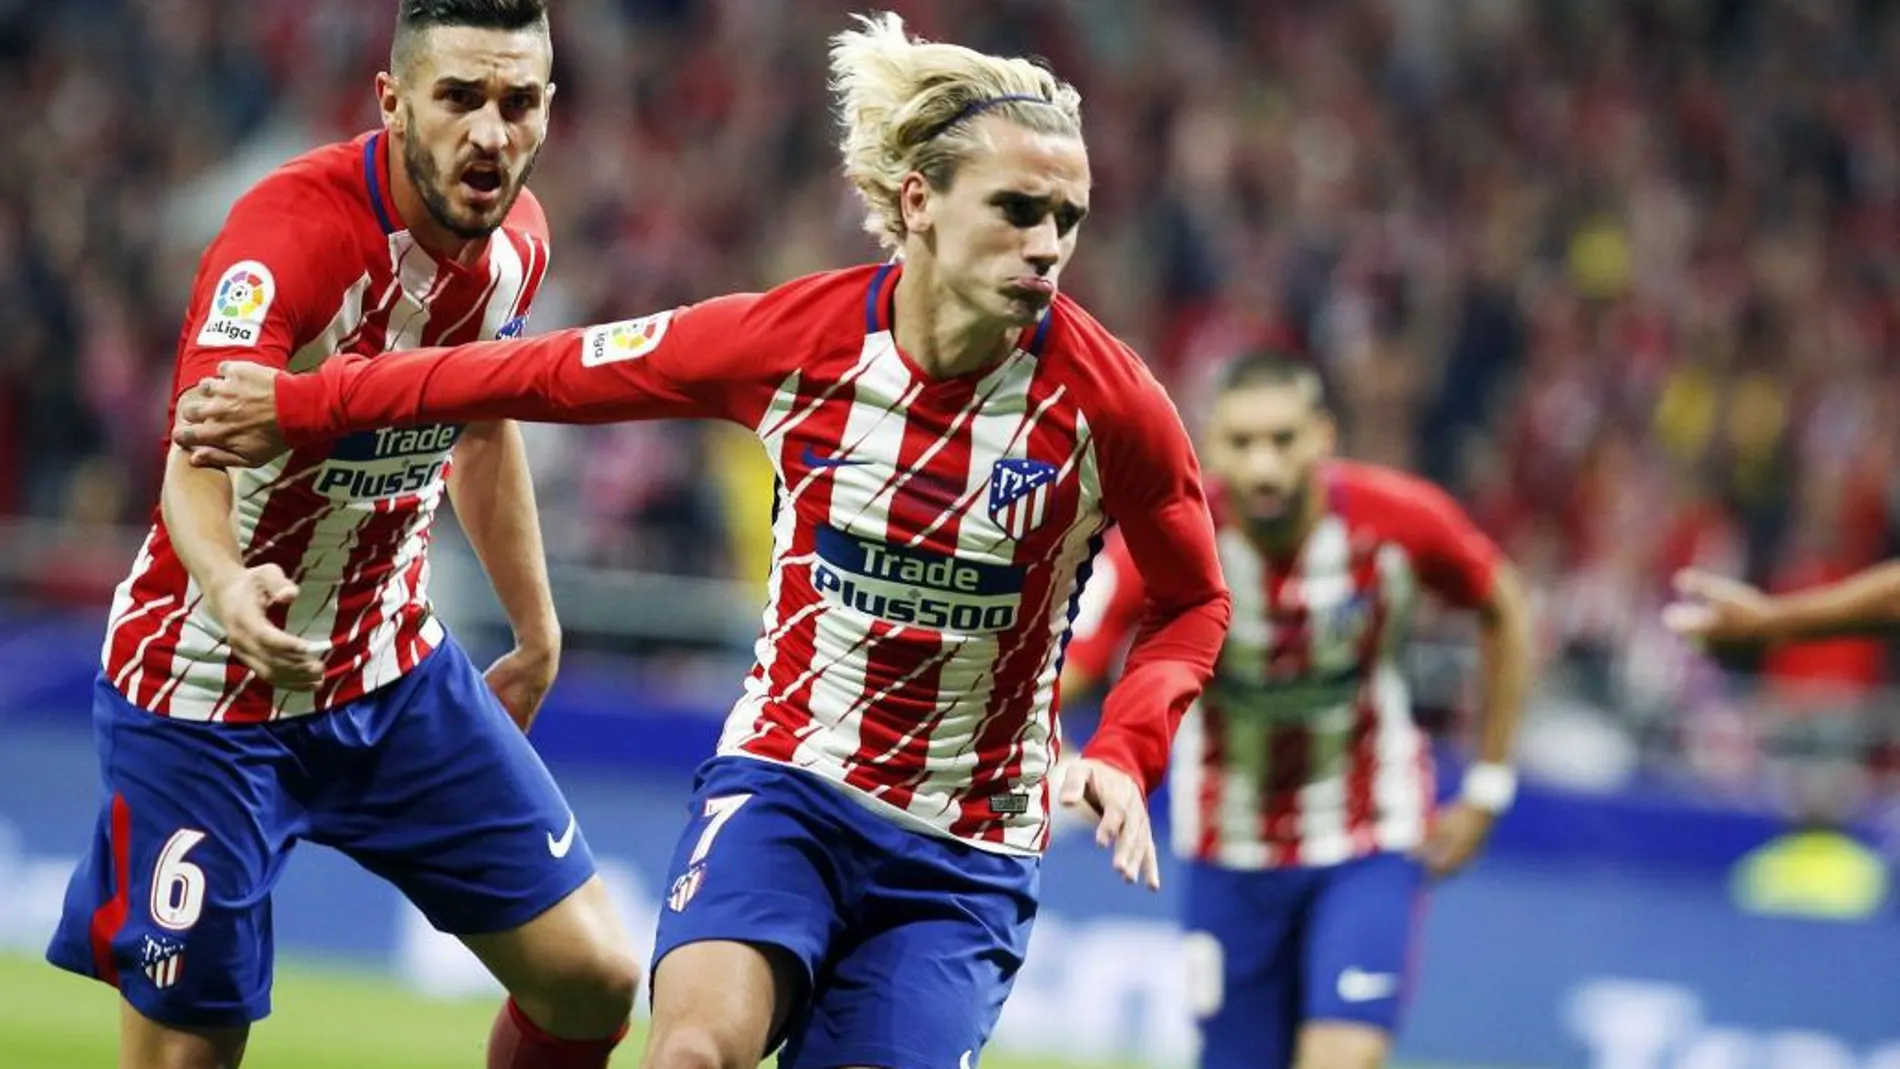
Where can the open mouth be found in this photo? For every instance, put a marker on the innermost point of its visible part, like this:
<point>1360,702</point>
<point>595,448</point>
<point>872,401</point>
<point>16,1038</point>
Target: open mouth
<point>482,181</point>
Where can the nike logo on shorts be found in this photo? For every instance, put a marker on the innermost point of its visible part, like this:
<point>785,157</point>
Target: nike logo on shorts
<point>559,847</point>
<point>1357,985</point>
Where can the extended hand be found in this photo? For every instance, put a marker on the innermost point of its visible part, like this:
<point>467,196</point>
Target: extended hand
<point>1456,838</point>
<point>1716,610</point>
<point>278,657</point>
<point>1124,817</point>
<point>521,679</point>
<point>230,421</point>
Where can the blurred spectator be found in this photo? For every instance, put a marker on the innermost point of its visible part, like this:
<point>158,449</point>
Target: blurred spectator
<point>1624,275</point>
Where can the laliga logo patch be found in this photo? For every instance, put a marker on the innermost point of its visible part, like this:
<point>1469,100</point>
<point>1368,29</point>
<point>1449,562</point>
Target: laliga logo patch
<point>627,340</point>
<point>238,305</point>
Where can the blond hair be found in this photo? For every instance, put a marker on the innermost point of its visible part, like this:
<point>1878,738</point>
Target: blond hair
<point>905,103</point>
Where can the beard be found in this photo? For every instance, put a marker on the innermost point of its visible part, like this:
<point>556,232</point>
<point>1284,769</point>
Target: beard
<point>1281,528</point>
<point>427,178</point>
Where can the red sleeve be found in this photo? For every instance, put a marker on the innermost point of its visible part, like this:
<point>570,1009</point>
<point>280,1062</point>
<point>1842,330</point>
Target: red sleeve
<point>1455,560</point>
<point>1108,612</point>
<point>692,362</point>
<point>260,293</point>
<point>1152,488</point>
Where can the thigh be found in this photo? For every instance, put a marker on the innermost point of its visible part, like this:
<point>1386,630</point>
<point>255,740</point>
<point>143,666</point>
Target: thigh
<point>1241,950</point>
<point>761,862</point>
<point>171,903</point>
<point>1359,943</point>
<point>430,785</point>
<point>720,1002</point>
<point>930,953</point>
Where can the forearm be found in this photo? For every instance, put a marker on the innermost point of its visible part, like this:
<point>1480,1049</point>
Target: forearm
<point>462,384</point>
<point>196,506</point>
<point>1171,661</point>
<point>1504,658</point>
<point>493,496</point>
<point>1863,603</point>
<point>567,376</point>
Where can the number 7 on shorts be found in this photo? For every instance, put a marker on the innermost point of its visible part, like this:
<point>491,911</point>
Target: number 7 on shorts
<point>717,812</point>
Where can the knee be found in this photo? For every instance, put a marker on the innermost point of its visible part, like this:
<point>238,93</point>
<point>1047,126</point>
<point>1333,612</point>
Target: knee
<point>596,986</point>
<point>692,1048</point>
<point>607,979</point>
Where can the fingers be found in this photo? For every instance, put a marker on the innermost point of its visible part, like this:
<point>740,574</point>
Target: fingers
<point>1693,584</point>
<point>274,584</point>
<point>1109,829</point>
<point>280,658</point>
<point>1689,582</point>
<point>1687,619</point>
<point>277,656</point>
<point>1124,823</point>
<point>1131,841</point>
<point>1075,785</point>
<point>204,456</point>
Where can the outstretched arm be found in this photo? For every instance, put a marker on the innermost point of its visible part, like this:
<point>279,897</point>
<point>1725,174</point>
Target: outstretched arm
<point>1723,611</point>
<point>684,363</point>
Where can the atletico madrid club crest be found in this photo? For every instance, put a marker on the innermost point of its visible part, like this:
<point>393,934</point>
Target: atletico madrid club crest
<point>685,888</point>
<point>162,961</point>
<point>1020,494</point>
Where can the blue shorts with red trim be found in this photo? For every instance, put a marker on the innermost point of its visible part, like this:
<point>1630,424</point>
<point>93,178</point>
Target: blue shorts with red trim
<point>425,782</point>
<point>1270,950</point>
<point>906,943</point>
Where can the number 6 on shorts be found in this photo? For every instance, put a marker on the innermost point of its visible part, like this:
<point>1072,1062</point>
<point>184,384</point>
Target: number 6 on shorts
<point>718,811</point>
<point>178,886</point>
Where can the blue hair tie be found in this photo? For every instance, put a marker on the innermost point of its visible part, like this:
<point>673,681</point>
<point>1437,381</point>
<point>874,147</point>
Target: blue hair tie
<point>978,107</point>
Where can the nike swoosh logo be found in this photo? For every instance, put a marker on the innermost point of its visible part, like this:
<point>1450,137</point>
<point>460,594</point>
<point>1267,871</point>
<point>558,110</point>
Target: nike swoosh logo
<point>813,460</point>
<point>559,847</point>
<point>1357,985</point>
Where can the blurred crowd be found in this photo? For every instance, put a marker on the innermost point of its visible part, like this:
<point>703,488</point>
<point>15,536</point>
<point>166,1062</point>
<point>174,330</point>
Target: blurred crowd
<point>1624,276</point>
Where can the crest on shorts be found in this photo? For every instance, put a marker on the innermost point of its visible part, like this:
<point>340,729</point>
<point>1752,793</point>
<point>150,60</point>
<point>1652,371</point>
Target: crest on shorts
<point>685,888</point>
<point>162,960</point>
<point>1020,494</point>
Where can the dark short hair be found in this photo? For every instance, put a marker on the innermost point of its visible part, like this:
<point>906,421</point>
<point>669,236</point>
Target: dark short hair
<point>1272,367</point>
<point>413,17</point>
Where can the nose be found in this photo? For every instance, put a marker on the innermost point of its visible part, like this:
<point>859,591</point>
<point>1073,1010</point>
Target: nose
<point>1265,467</point>
<point>487,132</point>
<point>1042,245</point>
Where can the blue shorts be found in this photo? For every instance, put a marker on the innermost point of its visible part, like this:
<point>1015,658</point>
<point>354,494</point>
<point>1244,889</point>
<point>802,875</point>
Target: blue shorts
<point>908,942</point>
<point>1271,950</point>
<point>425,782</point>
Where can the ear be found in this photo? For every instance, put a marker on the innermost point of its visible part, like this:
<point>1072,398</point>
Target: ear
<point>1328,431</point>
<point>388,101</point>
<point>916,202</point>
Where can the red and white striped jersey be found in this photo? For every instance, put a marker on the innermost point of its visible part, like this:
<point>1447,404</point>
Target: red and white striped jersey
<point>312,262</point>
<point>931,535</point>
<point>1303,750</point>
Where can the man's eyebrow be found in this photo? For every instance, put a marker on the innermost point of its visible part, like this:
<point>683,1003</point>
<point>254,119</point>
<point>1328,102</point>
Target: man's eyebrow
<point>449,81</point>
